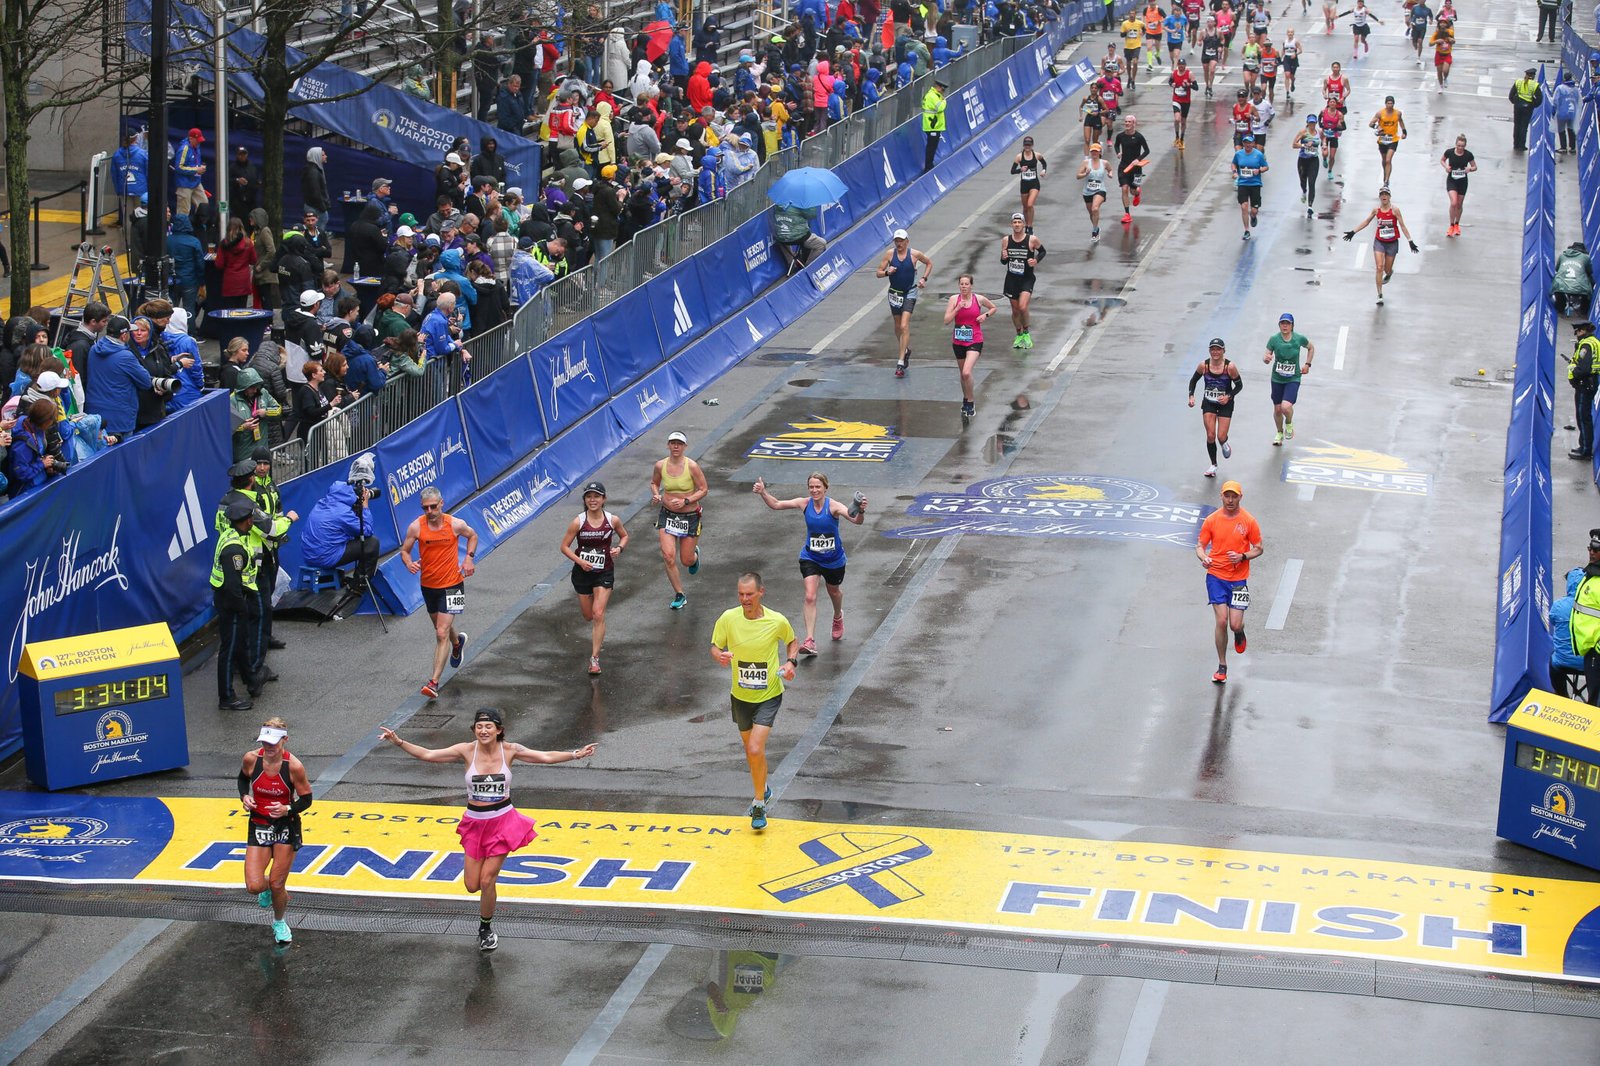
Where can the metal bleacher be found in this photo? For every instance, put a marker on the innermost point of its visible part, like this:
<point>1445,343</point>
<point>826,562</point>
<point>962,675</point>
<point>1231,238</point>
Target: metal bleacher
<point>376,51</point>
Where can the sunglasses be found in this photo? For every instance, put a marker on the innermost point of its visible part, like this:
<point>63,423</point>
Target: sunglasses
<point>430,507</point>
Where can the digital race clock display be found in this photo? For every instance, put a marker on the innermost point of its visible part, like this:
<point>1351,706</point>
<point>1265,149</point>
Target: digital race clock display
<point>111,694</point>
<point>1572,770</point>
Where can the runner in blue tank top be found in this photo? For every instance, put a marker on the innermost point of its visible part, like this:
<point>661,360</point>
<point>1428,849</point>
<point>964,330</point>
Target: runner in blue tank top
<point>822,557</point>
<point>899,265</point>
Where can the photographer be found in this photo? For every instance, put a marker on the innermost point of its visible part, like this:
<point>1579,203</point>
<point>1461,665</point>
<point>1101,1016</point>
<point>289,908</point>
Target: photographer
<point>118,379</point>
<point>339,530</point>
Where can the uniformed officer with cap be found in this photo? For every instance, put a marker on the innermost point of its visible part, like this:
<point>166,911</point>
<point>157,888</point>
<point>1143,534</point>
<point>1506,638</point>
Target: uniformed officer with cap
<point>1583,374</point>
<point>270,503</point>
<point>234,595</point>
<point>1525,95</point>
<point>933,106</point>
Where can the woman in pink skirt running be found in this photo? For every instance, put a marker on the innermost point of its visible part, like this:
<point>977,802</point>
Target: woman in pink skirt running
<point>490,828</point>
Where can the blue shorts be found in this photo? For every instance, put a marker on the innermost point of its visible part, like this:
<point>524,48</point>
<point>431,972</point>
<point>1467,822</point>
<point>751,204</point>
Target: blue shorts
<point>1220,591</point>
<point>1285,392</point>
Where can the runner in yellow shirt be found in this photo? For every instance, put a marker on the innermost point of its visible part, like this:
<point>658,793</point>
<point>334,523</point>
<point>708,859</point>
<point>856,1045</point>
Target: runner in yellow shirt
<point>747,639</point>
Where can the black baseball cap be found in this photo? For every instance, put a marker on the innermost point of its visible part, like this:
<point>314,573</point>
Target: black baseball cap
<point>1218,342</point>
<point>488,714</point>
<point>595,486</point>
<point>1594,540</point>
<point>117,325</point>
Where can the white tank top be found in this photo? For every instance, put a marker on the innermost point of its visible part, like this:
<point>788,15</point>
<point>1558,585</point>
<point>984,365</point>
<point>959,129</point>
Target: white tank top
<point>485,789</point>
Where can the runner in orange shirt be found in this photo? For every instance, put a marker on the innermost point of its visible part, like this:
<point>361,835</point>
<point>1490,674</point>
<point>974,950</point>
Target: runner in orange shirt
<point>1229,539</point>
<point>444,575</point>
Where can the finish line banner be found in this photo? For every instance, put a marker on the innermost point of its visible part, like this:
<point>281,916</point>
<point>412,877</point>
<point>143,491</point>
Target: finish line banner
<point>1165,894</point>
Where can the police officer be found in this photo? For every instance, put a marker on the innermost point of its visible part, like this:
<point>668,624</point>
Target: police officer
<point>233,594</point>
<point>241,476</point>
<point>1525,95</point>
<point>269,503</point>
<point>1584,375</point>
<point>933,104</point>
<point>1585,623</point>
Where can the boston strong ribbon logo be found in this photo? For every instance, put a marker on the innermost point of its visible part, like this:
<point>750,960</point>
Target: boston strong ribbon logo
<point>866,862</point>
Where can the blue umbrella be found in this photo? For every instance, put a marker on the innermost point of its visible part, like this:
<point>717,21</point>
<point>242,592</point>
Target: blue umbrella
<point>807,187</point>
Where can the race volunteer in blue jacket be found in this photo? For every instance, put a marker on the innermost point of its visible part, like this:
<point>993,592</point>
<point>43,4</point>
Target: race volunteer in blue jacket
<point>130,168</point>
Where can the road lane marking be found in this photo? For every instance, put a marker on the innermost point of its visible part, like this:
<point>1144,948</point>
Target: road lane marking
<point>1307,492</point>
<point>593,1040</point>
<point>1361,255</point>
<point>1338,349</point>
<point>1285,594</point>
<point>1142,1024</point>
<point>1065,348</point>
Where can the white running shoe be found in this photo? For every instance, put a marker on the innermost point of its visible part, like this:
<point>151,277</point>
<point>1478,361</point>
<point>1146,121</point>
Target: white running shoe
<point>1211,471</point>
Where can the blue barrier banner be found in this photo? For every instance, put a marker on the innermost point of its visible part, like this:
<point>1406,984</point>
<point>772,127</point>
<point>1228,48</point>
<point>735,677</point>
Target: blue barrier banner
<point>512,502</point>
<point>648,402</point>
<point>400,589</point>
<point>678,305</point>
<point>428,452</point>
<point>1526,564</point>
<point>381,116</point>
<point>577,453</point>
<point>863,181</point>
<point>629,348</point>
<point>501,416</point>
<point>567,374</point>
<point>125,539</point>
<point>763,265</point>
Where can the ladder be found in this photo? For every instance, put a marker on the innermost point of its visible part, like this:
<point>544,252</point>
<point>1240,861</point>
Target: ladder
<point>111,293</point>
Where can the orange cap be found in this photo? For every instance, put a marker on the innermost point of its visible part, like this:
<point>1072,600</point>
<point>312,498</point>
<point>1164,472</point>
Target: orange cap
<point>1233,486</point>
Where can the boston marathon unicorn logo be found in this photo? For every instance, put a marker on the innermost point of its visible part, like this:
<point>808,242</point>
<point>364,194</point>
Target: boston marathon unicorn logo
<point>1339,466</point>
<point>821,438</point>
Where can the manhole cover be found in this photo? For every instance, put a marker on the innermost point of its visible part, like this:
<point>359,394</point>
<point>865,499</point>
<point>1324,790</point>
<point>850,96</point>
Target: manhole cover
<point>429,721</point>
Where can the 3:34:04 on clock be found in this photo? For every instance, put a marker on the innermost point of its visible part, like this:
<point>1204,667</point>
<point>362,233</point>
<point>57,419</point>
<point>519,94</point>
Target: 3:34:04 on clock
<point>99,697</point>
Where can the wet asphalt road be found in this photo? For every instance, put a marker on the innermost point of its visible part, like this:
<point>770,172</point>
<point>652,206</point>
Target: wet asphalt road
<point>1033,684</point>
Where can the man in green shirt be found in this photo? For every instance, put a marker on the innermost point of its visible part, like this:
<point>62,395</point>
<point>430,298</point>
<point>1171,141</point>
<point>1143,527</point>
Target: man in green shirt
<point>747,639</point>
<point>1283,352</point>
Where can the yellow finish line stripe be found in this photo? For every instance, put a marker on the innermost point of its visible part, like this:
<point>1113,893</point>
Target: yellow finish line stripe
<point>1166,894</point>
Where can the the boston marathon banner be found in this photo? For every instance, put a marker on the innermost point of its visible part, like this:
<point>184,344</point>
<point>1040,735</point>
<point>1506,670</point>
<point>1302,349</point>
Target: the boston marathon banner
<point>370,113</point>
<point>125,539</point>
<point>900,878</point>
<point>1522,633</point>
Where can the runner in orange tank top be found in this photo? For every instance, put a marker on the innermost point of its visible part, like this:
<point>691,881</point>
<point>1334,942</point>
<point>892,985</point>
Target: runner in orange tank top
<point>444,576</point>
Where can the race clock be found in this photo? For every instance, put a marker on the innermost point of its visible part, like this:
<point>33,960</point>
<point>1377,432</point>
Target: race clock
<point>1550,784</point>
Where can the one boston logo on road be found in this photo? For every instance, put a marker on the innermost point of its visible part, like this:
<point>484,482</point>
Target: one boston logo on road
<point>1059,505</point>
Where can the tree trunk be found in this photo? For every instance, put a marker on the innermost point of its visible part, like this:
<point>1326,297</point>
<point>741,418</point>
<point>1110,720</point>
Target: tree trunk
<point>274,117</point>
<point>14,86</point>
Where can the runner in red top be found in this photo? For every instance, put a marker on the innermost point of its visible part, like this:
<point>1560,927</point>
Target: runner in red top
<point>1183,84</point>
<point>273,787</point>
<point>1386,239</point>
<point>1336,86</point>
<point>1243,118</point>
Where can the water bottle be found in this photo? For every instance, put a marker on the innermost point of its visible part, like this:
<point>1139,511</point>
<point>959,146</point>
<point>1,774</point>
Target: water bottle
<point>856,502</point>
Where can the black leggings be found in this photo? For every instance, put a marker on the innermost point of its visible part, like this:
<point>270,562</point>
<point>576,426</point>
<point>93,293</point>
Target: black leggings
<point>1307,166</point>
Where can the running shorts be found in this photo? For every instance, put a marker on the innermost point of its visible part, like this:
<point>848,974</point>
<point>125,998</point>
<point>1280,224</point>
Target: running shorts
<point>1030,185</point>
<point>1361,31</point>
<point>1236,594</point>
<point>902,303</point>
<point>452,600</point>
<point>678,524</point>
<point>1386,247</point>
<point>834,576</point>
<point>1128,177</point>
<point>1456,185</point>
<point>1221,410</point>
<point>1250,194</point>
<point>274,832</point>
<point>586,581</point>
<point>1016,285</point>
<point>1291,63</point>
<point>1285,392</point>
<point>963,350</point>
<point>746,714</point>
<point>1181,107</point>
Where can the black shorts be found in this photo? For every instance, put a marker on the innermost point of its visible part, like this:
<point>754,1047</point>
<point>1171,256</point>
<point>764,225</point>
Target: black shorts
<point>1456,185</point>
<point>1181,107</point>
<point>1092,122</point>
<point>274,832</point>
<point>1016,285</point>
<point>1361,31</point>
<point>1417,32</point>
<point>746,714</point>
<point>961,351</point>
<point>833,576</point>
<point>1291,64</point>
<point>683,523</point>
<point>1250,194</point>
<point>1129,178</point>
<point>908,301</point>
<point>1131,56</point>
<point>586,581</point>
<point>1385,149</point>
<point>1030,185</point>
<point>1221,410</point>
<point>435,599</point>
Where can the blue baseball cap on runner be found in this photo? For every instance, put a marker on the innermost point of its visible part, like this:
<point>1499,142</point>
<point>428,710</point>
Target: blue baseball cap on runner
<point>1286,317</point>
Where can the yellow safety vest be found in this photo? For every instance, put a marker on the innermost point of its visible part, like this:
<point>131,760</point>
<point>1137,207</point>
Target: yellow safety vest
<point>933,104</point>
<point>1586,355</point>
<point>230,537</point>
<point>1525,88</point>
